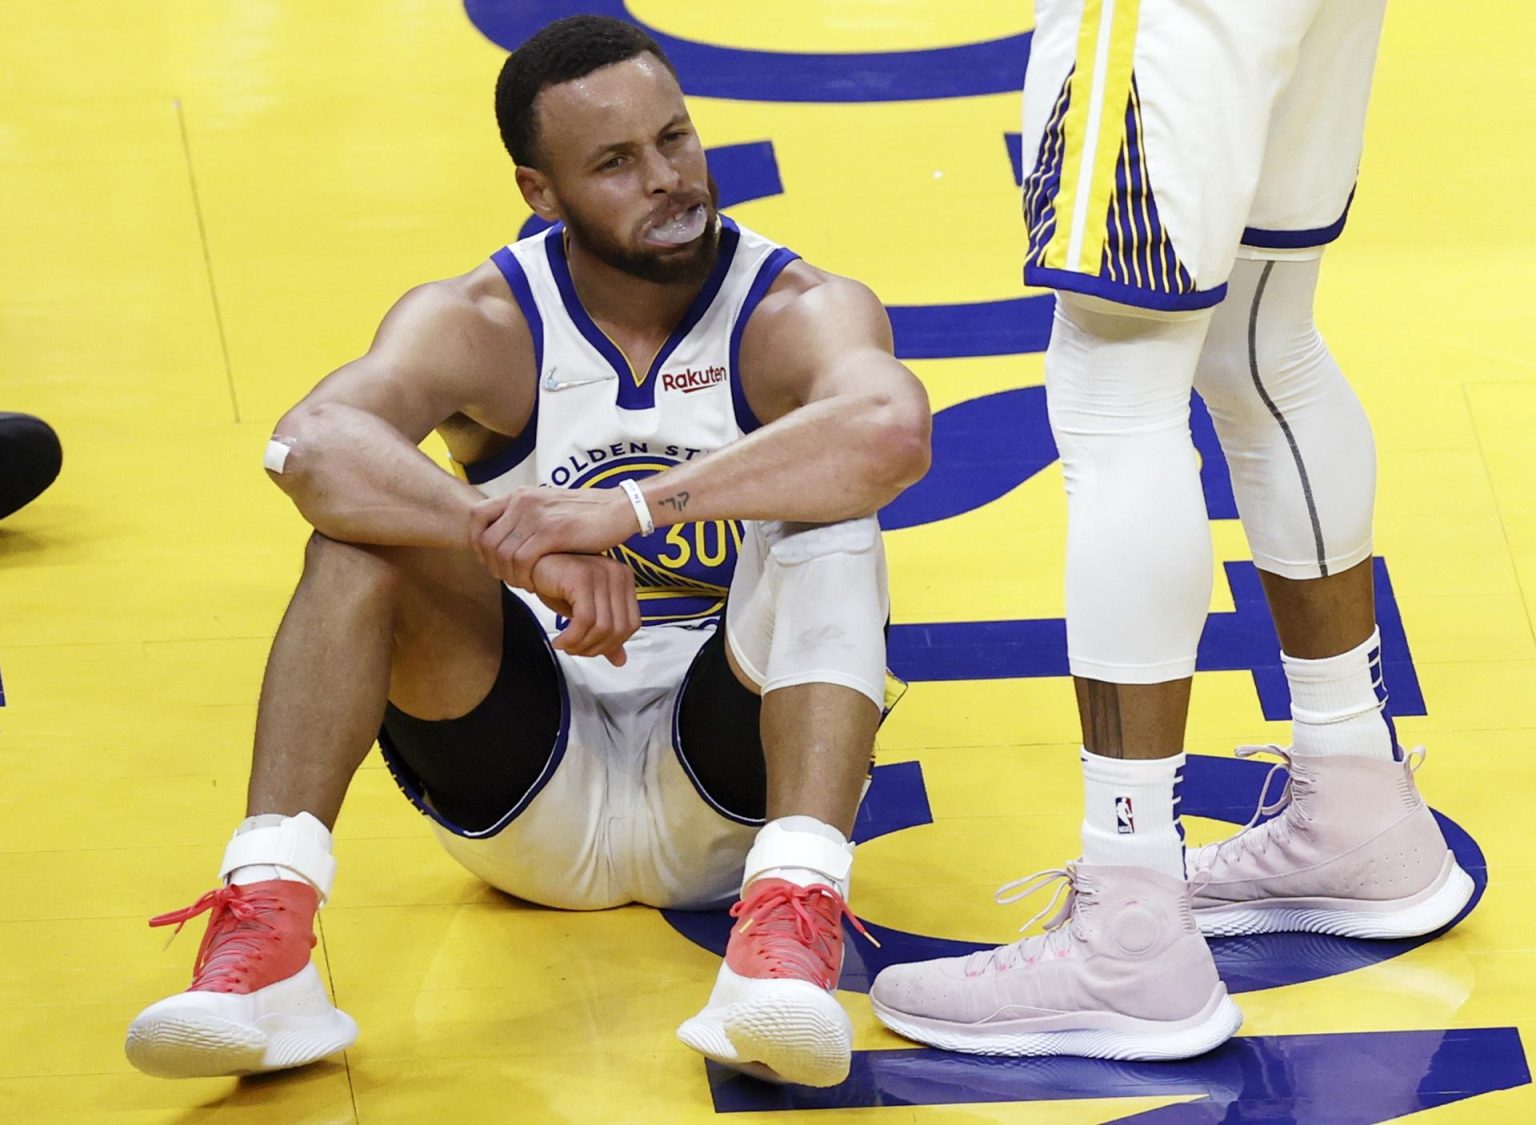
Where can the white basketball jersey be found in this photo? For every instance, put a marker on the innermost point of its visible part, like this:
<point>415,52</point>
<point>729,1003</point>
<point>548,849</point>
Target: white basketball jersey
<point>596,421</point>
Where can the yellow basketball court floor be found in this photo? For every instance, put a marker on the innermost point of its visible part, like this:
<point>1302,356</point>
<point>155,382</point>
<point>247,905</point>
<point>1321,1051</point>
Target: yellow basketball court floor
<point>206,206</point>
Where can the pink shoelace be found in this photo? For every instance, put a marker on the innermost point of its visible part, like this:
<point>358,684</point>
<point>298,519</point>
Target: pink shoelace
<point>236,935</point>
<point>1053,943</point>
<point>766,910</point>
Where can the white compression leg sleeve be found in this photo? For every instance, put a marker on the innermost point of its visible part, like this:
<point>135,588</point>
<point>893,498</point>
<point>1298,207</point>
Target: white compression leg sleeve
<point>1296,438</point>
<point>809,604</point>
<point>1138,539</point>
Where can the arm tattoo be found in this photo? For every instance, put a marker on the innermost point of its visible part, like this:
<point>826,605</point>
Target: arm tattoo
<point>677,503</point>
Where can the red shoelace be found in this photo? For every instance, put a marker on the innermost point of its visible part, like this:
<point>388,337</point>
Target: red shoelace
<point>237,934</point>
<point>786,921</point>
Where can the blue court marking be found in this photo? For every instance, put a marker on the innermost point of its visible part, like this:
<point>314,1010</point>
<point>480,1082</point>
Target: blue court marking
<point>985,447</point>
<point>1225,789</point>
<point>1243,640</point>
<point>1353,1078</point>
<point>1011,326</point>
<point>712,71</point>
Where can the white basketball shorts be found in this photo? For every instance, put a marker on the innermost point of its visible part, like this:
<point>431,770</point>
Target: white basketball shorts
<point>618,817</point>
<point>1170,136</point>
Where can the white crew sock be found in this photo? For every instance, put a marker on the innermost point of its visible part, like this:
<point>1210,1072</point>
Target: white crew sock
<point>761,861</point>
<point>1338,704</point>
<point>261,872</point>
<point>1131,815</point>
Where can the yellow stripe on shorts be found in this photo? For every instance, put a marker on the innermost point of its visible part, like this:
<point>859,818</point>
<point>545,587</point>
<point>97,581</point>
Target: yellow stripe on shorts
<point>1094,130</point>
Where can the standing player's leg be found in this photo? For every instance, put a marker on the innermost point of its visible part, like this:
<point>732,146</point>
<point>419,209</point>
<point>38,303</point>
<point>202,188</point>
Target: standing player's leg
<point>1122,971</point>
<point>1147,123</point>
<point>1356,852</point>
<point>805,628</point>
<point>365,625</point>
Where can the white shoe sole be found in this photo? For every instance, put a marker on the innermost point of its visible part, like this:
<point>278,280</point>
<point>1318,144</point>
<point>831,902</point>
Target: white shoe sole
<point>1417,914</point>
<point>1103,1035</point>
<point>210,1034</point>
<point>775,1030</point>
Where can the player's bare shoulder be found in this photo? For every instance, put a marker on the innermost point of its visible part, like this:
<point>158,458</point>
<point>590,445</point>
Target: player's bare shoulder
<point>470,332</point>
<point>471,318</point>
<point>808,316</point>
<point>805,297</point>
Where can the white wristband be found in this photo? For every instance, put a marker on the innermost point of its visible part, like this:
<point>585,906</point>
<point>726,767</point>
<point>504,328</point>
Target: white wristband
<point>642,509</point>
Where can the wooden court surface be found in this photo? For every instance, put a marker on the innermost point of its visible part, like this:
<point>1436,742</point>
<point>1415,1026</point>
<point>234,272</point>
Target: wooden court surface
<point>206,206</point>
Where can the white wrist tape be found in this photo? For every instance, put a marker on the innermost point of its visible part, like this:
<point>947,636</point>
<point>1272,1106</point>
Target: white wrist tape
<point>300,843</point>
<point>276,455</point>
<point>642,509</point>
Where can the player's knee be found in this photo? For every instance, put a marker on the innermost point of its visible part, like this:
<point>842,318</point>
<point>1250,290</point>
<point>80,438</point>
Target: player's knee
<point>1111,370</point>
<point>816,610</point>
<point>1264,356</point>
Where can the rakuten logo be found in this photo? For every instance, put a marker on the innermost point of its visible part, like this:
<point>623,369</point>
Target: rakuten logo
<point>692,379</point>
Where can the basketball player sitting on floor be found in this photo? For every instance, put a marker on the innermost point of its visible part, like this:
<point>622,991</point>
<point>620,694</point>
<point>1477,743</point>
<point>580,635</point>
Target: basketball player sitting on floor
<point>637,655</point>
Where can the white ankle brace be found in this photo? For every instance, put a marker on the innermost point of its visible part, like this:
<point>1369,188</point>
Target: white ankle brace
<point>778,846</point>
<point>300,844</point>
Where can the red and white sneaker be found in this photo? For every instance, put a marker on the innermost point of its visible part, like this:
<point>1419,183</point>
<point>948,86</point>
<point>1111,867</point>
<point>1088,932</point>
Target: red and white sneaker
<point>256,1001</point>
<point>773,1013</point>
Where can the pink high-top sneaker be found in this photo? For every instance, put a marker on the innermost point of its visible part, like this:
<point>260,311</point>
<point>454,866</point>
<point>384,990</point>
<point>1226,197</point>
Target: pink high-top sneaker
<point>1120,973</point>
<point>1355,852</point>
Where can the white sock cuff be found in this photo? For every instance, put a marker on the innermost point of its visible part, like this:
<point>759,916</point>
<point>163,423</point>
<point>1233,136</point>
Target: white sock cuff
<point>299,843</point>
<point>1332,667</point>
<point>800,841</point>
<point>1339,687</point>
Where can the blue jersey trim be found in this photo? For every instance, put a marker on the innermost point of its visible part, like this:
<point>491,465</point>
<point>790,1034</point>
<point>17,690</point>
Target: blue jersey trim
<point>554,248</point>
<point>522,446</point>
<point>1123,294</point>
<point>517,281</point>
<point>730,238</point>
<point>641,395</point>
<point>413,790</point>
<point>767,274</point>
<point>1263,239</point>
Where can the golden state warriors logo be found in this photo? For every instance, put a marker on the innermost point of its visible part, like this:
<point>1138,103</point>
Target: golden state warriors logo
<point>682,572</point>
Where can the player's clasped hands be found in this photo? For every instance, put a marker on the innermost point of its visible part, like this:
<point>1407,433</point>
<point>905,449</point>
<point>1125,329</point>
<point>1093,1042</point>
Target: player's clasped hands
<point>548,542</point>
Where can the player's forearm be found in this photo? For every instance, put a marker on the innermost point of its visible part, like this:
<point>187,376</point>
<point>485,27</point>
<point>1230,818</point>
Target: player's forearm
<point>835,459</point>
<point>356,478</point>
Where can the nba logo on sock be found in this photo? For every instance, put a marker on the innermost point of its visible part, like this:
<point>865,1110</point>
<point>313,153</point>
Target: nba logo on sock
<point>1125,820</point>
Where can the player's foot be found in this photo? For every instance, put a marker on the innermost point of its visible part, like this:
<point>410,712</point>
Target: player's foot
<point>1354,852</point>
<point>256,1002</point>
<point>773,1012</point>
<point>1121,972</point>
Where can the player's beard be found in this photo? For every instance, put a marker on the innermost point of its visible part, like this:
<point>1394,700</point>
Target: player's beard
<point>659,266</point>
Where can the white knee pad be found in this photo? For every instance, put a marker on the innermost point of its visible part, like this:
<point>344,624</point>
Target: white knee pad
<point>300,844</point>
<point>1296,438</point>
<point>1138,540</point>
<point>808,605</point>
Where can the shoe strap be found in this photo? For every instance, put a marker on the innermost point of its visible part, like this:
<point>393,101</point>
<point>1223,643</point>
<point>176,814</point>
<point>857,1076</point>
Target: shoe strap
<point>777,846</point>
<point>300,844</point>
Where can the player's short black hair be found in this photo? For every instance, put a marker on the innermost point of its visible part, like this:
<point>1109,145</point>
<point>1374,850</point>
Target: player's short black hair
<point>566,50</point>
